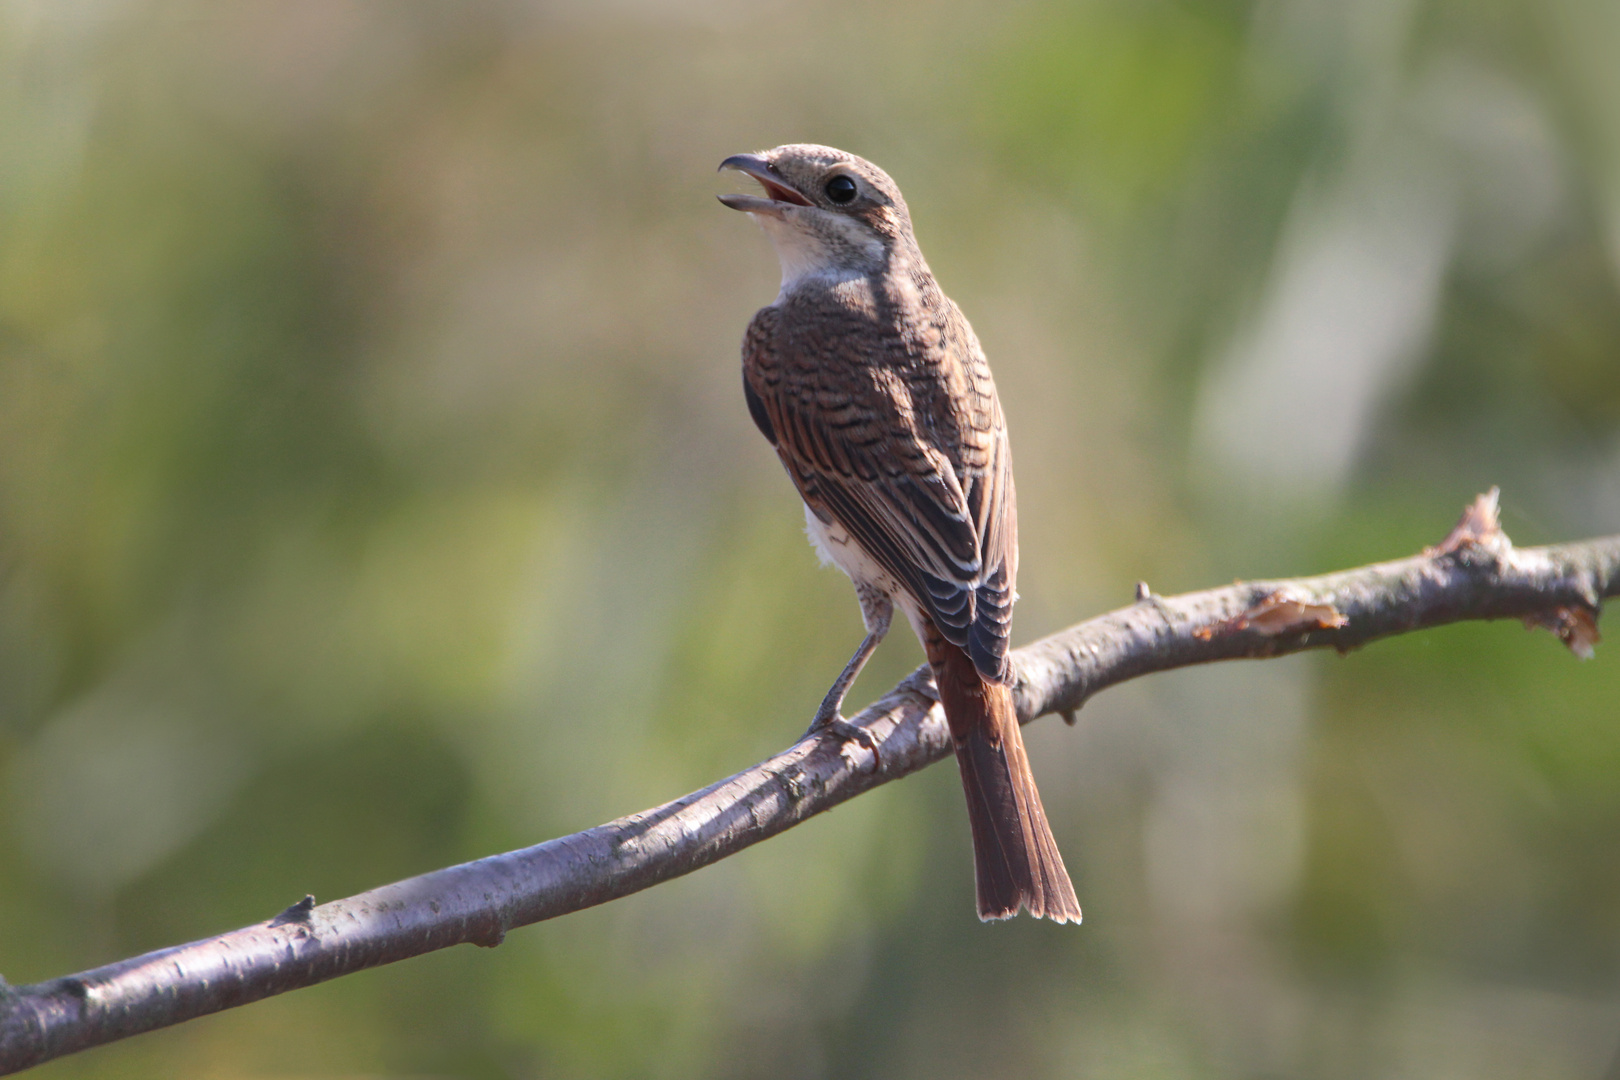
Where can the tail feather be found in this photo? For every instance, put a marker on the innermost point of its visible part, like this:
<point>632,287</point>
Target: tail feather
<point>1016,859</point>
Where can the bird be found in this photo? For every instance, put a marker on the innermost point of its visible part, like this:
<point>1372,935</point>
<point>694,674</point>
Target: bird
<point>875,392</point>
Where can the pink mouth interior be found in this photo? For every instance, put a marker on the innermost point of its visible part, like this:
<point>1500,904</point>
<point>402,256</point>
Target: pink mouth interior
<point>780,193</point>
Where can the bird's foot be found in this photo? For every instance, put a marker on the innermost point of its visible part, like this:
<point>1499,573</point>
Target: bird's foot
<point>830,718</point>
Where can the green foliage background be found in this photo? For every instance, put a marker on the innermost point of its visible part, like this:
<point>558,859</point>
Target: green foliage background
<point>376,493</point>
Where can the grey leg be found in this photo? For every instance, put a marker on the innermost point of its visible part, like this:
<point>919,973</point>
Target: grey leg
<point>846,678</point>
<point>876,611</point>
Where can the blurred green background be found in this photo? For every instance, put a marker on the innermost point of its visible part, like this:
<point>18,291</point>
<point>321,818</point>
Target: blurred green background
<point>376,492</point>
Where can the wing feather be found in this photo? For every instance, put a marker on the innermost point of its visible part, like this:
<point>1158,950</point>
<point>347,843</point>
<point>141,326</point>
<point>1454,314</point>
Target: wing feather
<point>918,475</point>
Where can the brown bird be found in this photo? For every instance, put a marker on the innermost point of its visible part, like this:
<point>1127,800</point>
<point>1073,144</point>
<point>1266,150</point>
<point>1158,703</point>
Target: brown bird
<point>873,388</point>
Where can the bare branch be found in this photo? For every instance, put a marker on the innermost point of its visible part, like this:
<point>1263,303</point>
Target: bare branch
<point>1474,574</point>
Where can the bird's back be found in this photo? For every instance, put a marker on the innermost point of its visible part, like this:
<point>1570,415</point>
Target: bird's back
<point>881,404</point>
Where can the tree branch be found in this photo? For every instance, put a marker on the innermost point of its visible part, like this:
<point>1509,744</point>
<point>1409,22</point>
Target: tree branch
<point>1474,574</point>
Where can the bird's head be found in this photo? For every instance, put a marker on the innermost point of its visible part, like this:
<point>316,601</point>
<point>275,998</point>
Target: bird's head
<point>830,214</point>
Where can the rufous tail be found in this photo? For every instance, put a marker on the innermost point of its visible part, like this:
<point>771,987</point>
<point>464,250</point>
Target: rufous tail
<point>1016,860</point>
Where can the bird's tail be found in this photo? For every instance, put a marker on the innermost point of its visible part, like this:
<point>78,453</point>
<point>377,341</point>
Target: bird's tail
<point>1016,860</point>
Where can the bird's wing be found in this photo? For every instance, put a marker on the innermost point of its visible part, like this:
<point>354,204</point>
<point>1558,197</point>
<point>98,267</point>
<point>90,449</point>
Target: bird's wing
<point>911,460</point>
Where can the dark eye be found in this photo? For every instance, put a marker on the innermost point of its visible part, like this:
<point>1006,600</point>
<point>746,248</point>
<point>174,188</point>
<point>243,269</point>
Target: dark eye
<point>841,189</point>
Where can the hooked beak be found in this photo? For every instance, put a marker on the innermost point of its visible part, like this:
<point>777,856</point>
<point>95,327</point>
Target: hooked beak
<point>780,194</point>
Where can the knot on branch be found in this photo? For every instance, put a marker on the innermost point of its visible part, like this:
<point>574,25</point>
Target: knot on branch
<point>1278,612</point>
<point>296,913</point>
<point>1477,533</point>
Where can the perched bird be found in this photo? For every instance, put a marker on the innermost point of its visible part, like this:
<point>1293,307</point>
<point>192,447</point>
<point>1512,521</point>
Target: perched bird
<point>873,388</point>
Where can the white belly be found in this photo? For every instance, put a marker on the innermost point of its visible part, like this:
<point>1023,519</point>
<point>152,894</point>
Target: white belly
<point>837,547</point>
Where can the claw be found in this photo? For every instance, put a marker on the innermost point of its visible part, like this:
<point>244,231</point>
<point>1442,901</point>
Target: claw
<point>847,731</point>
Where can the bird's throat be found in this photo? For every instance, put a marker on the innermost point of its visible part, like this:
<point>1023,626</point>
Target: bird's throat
<point>825,250</point>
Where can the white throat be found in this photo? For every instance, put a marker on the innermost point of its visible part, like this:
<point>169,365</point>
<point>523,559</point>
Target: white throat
<point>807,255</point>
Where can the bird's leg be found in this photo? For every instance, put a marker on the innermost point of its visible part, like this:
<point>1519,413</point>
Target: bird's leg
<point>828,716</point>
<point>834,701</point>
<point>876,611</point>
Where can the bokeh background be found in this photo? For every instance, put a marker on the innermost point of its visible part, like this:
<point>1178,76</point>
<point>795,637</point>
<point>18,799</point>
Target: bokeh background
<point>376,492</point>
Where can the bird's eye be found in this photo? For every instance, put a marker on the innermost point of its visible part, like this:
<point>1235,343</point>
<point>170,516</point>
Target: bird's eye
<point>841,189</point>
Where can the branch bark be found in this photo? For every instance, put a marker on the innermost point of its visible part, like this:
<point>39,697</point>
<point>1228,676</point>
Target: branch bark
<point>1474,574</point>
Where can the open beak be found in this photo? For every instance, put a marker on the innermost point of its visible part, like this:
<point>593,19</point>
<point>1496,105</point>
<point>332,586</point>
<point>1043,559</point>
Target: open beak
<point>779,193</point>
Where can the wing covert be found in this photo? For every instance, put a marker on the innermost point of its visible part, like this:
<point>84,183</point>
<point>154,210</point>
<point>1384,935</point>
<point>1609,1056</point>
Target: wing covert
<point>869,449</point>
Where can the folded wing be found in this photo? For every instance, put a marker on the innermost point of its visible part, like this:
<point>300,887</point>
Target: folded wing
<point>864,445</point>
